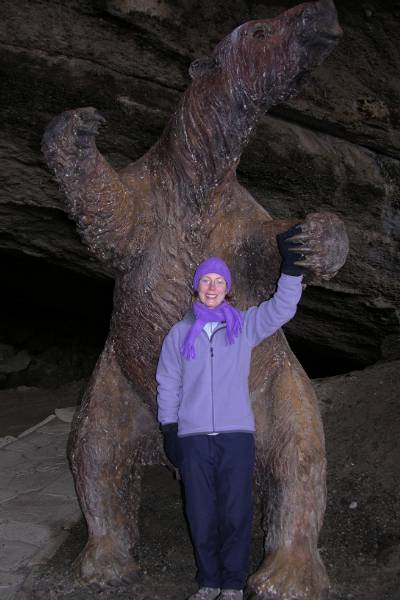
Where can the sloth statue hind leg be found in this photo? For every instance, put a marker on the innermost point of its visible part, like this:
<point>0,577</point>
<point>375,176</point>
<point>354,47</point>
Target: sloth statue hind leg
<point>110,437</point>
<point>291,469</point>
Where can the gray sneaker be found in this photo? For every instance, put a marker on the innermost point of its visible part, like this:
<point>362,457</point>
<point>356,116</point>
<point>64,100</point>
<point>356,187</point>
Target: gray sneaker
<point>206,593</point>
<point>231,595</point>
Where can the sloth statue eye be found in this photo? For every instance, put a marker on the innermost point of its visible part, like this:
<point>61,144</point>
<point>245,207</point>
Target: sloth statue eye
<point>262,33</point>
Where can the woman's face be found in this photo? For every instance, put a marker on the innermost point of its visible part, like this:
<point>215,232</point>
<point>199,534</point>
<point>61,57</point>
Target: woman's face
<point>212,289</point>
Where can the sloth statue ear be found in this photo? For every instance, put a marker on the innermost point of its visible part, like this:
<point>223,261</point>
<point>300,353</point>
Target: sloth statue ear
<point>200,66</point>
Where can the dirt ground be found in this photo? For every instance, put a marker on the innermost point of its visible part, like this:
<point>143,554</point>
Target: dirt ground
<point>360,540</point>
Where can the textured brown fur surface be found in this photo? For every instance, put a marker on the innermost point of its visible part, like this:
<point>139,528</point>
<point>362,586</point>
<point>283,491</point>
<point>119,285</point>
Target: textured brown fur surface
<point>151,224</point>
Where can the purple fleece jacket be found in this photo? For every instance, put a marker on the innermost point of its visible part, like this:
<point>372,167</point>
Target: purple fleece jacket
<point>210,393</point>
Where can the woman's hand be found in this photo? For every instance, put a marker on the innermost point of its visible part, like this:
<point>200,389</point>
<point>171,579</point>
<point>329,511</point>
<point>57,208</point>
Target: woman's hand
<point>171,443</point>
<point>293,247</point>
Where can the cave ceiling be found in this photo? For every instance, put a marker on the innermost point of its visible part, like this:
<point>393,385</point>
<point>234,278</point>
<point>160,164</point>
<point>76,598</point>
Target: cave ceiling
<point>335,147</point>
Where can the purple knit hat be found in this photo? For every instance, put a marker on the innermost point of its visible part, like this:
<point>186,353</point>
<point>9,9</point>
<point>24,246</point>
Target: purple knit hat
<point>213,265</point>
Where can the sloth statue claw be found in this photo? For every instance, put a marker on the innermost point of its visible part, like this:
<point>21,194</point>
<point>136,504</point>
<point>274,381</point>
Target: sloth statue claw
<point>329,244</point>
<point>323,242</point>
<point>150,224</point>
<point>82,123</point>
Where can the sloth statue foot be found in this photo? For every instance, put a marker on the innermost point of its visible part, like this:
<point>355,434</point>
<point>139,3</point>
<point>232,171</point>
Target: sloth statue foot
<point>289,574</point>
<point>101,563</point>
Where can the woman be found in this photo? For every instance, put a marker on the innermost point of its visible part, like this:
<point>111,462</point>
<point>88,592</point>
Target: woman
<point>205,414</point>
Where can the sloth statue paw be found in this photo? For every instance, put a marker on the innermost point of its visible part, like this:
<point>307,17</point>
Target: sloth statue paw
<point>72,131</point>
<point>323,243</point>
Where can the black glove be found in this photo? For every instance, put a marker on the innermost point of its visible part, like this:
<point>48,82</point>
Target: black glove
<point>292,247</point>
<point>171,443</point>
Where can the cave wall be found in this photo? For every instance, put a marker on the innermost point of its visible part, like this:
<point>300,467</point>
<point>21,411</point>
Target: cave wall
<point>335,147</point>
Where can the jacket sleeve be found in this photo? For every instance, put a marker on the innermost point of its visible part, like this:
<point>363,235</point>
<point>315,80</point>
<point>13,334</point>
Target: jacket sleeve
<point>169,380</point>
<point>263,320</point>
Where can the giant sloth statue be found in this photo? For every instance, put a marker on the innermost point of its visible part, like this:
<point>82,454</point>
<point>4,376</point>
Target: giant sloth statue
<point>152,223</point>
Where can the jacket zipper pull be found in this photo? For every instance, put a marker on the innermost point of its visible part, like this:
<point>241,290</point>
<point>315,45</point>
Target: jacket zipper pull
<point>212,352</point>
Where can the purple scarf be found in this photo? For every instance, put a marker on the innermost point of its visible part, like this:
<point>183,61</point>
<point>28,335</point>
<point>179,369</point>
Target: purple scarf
<point>225,312</point>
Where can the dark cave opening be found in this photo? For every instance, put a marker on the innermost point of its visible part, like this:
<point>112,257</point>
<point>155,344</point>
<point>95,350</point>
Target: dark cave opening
<point>320,361</point>
<point>56,320</point>
<point>56,316</point>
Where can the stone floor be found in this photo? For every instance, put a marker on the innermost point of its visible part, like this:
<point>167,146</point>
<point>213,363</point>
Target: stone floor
<point>359,542</point>
<point>38,504</point>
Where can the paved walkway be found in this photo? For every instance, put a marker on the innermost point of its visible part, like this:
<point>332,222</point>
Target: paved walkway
<point>38,504</point>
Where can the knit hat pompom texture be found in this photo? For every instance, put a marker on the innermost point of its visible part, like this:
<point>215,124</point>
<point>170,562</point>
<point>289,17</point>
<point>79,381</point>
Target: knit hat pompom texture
<point>213,265</point>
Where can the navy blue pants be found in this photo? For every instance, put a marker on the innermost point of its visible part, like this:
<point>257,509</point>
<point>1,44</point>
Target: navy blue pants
<point>217,474</point>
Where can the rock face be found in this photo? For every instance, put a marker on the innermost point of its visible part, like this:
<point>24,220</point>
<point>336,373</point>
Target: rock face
<point>361,418</point>
<point>335,147</point>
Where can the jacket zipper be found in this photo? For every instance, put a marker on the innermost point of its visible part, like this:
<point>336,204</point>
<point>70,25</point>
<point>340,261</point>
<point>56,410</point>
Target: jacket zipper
<point>212,386</point>
<point>212,374</point>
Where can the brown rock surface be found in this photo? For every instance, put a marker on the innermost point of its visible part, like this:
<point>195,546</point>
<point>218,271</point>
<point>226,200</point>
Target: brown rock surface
<point>335,147</point>
<point>361,414</point>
